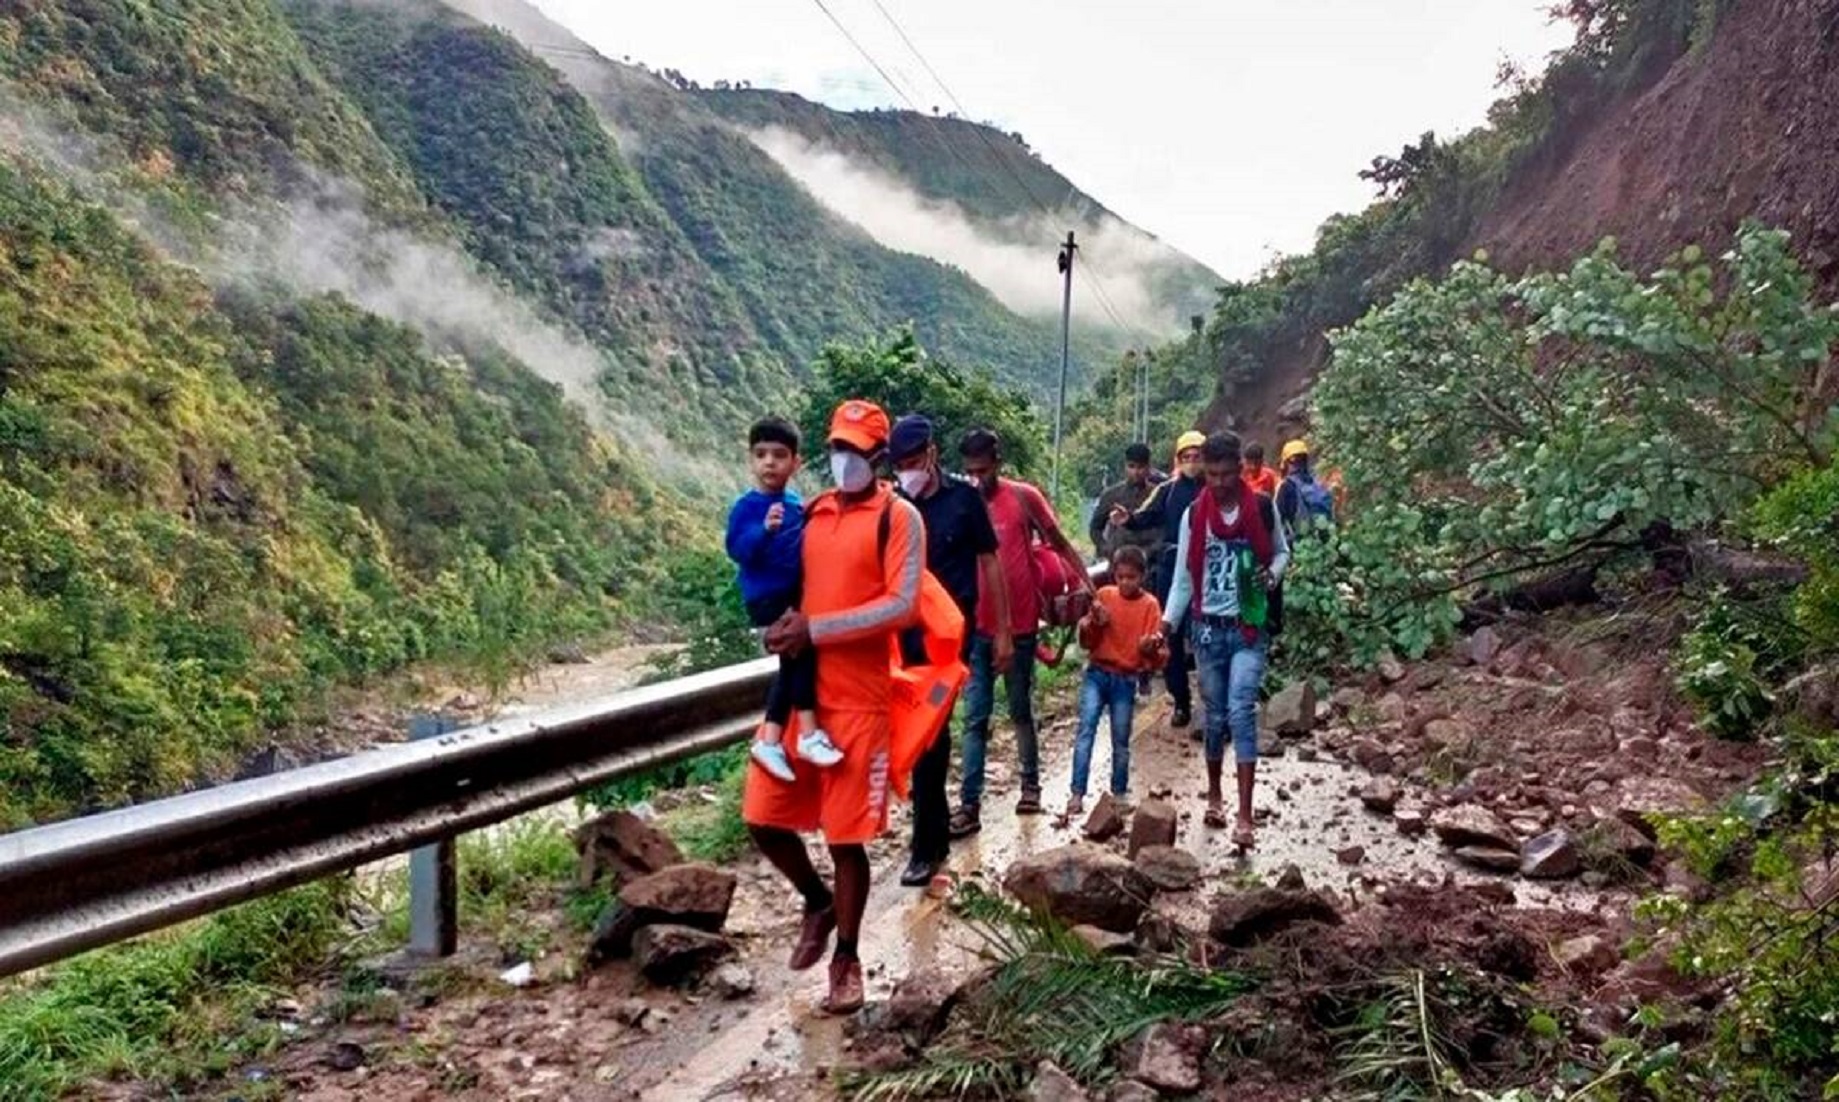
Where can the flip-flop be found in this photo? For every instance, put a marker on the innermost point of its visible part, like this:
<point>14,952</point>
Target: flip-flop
<point>1215,816</point>
<point>1242,836</point>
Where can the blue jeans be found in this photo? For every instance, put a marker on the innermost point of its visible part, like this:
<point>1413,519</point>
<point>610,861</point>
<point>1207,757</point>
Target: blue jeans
<point>1105,691</point>
<point>980,701</point>
<point>1231,673</point>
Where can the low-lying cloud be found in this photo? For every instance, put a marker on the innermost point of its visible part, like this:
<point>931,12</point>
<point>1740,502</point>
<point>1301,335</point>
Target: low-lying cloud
<point>1021,275</point>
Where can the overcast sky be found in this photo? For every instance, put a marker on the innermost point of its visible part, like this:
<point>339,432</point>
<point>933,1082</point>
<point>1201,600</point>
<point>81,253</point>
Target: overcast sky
<point>1230,128</point>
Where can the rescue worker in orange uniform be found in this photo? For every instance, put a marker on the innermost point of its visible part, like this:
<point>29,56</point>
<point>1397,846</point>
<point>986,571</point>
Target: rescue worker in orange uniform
<point>864,555</point>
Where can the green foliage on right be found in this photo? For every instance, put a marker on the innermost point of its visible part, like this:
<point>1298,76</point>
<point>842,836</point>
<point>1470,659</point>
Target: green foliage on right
<point>1491,428</point>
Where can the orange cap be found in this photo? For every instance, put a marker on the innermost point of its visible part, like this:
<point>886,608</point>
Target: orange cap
<point>862,425</point>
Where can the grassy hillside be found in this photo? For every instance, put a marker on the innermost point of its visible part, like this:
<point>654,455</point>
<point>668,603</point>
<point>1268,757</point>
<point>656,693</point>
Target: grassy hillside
<point>564,217</point>
<point>213,511</point>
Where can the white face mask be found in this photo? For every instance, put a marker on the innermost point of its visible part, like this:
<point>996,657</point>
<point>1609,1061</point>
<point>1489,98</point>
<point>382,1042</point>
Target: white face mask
<point>851,472</point>
<point>914,483</point>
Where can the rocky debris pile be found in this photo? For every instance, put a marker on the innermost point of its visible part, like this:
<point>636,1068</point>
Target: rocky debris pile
<point>1531,755</point>
<point>667,915</point>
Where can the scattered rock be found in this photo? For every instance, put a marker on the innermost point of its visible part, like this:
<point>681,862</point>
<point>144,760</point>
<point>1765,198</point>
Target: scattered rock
<point>1168,1057</point>
<point>1551,856</point>
<point>1492,858</point>
<point>568,654</point>
<point>1246,918</point>
<point>1440,734</point>
<point>1290,879</point>
<point>1292,711</point>
<point>697,896</point>
<point>1392,708</point>
<point>1481,647</point>
<point>1081,884</point>
<point>1159,933</point>
<point>733,981</point>
<point>920,1004</point>
<point>519,975</point>
<point>345,1056</point>
<point>1494,891</point>
<point>1368,754</point>
<point>1105,942</point>
<point>1351,855</point>
<point>670,954</point>
<point>1106,820</point>
<point>1506,951</point>
<point>1053,1085</point>
<point>1473,825</point>
<point>1380,795</point>
<point>1152,825</point>
<point>624,845</point>
<point>1346,699</point>
<point>1129,1090</point>
<point>1589,954</point>
<point>1641,798</point>
<point>1306,752</point>
<point>1409,821</point>
<point>1391,670</point>
<point>1168,868</point>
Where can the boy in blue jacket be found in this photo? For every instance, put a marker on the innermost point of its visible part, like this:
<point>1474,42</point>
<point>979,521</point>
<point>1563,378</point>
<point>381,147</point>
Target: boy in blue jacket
<point>766,541</point>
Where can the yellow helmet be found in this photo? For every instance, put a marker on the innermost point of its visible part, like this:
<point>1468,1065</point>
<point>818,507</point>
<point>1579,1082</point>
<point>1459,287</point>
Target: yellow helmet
<point>1293,449</point>
<point>1193,438</point>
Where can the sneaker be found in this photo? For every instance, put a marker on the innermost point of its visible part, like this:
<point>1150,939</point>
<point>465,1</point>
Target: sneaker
<point>964,822</point>
<point>816,748</point>
<point>771,757</point>
<point>813,938</point>
<point>1181,718</point>
<point>845,988</point>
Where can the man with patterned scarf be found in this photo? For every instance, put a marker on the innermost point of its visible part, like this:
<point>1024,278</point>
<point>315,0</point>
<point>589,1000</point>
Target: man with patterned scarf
<point>1229,564</point>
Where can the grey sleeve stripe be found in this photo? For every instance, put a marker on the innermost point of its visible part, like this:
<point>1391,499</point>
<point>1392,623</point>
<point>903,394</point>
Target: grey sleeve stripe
<point>895,610</point>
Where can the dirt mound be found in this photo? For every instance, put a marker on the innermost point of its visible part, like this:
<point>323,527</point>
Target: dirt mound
<point>1744,128</point>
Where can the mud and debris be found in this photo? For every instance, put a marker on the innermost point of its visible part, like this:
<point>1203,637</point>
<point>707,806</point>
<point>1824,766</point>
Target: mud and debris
<point>1554,748</point>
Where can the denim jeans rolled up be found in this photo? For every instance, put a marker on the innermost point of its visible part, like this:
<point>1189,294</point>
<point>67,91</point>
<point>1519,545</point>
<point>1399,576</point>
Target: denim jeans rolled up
<point>980,702</point>
<point>1105,692</point>
<point>1231,674</point>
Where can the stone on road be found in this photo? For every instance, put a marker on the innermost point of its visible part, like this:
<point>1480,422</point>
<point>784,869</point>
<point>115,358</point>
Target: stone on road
<point>1081,884</point>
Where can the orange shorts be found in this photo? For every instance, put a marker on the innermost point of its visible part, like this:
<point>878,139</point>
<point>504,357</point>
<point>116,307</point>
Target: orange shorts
<point>848,801</point>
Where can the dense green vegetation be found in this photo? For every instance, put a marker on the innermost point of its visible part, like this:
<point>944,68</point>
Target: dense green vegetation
<point>215,512</point>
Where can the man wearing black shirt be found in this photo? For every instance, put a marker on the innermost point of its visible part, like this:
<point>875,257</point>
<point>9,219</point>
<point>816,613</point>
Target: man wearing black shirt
<point>961,553</point>
<point>1163,511</point>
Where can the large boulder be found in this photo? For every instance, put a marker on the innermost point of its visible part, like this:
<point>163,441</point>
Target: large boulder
<point>1246,918</point>
<point>1292,711</point>
<point>1081,885</point>
<point>1551,856</point>
<point>1473,825</point>
<point>671,954</point>
<point>697,896</point>
<point>1168,868</point>
<point>919,1005</point>
<point>623,845</point>
<point>1152,825</point>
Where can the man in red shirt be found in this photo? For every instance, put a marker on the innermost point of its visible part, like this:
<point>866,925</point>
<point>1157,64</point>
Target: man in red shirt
<point>1021,514</point>
<point>859,593</point>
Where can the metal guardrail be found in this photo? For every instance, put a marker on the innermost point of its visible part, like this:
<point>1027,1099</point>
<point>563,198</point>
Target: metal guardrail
<point>88,882</point>
<point>81,884</point>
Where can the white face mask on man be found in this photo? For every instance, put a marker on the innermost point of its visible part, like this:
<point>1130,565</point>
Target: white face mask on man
<point>851,472</point>
<point>914,483</point>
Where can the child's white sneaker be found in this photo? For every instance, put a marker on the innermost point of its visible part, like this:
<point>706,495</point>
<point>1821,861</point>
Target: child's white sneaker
<point>816,748</point>
<point>771,757</point>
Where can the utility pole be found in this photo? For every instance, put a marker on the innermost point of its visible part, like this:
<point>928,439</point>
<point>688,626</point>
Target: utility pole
<point>1066,350</point>
<point>1143,396</point>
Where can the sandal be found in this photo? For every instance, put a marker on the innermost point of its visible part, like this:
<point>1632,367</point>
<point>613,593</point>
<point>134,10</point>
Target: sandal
<point>1242,836</point>
<point>1215,816</point>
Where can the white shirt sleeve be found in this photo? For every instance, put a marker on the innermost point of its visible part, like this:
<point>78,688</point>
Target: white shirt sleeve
<point>1181,590</point>
<point>1280,547</point>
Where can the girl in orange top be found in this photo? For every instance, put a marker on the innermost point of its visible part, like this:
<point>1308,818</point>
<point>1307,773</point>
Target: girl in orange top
<point>1121,634</point>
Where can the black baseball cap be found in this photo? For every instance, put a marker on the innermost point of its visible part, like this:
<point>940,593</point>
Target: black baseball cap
<point>909,437</point>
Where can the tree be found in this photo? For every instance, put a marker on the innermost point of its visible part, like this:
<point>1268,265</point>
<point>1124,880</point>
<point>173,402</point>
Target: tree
<point>896,374</point>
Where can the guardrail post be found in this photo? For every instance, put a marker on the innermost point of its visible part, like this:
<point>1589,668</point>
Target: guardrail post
<point>434,885</point>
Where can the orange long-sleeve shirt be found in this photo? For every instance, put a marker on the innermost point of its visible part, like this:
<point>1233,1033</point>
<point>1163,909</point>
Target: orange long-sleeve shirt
<point>1114,646</point>
<point>858,595</point>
